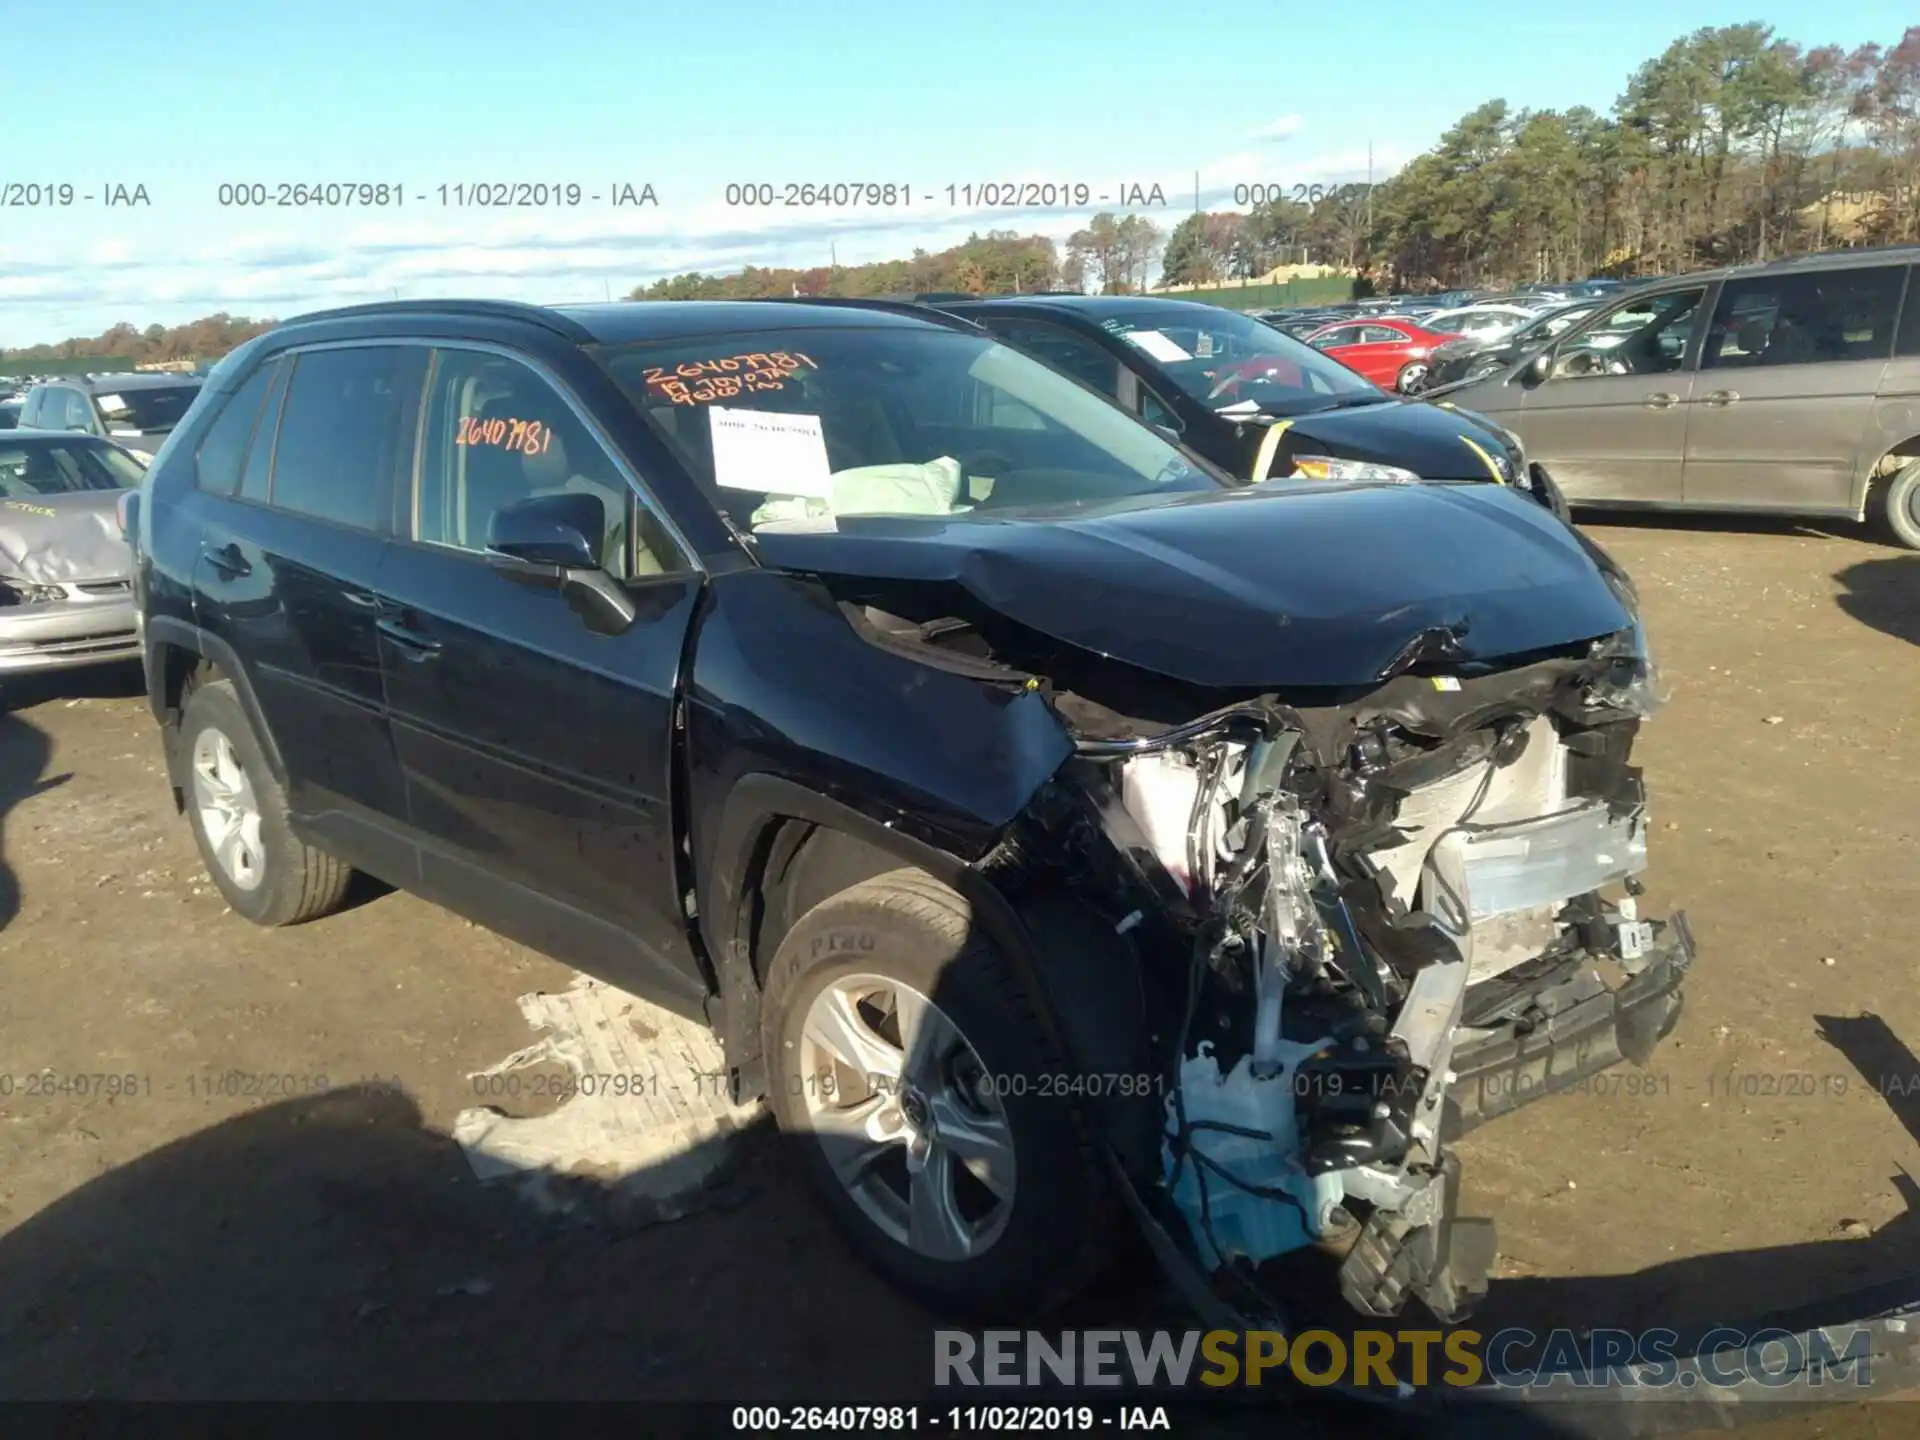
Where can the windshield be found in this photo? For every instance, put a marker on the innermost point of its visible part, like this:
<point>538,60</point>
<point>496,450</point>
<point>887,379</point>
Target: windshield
<point>1232,363</point>
<point>151,411</point>
<point>803,426</point>
<point>1548,326</point>
<point>1478,322</point>
<point>58,467</point>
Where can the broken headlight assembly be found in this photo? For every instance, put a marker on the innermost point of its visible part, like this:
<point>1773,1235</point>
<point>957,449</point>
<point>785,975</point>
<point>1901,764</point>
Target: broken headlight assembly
<point>1331,467</point>
<point>1629,680</point>
<point>19,592</point>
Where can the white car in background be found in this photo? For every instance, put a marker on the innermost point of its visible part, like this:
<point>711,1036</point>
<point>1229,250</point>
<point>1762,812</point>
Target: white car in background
<point>1479,322</point>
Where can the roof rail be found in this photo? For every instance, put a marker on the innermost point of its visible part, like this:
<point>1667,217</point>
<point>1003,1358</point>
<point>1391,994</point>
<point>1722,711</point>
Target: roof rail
<point>1846,251</point>
<point>478,309</point>
<point>914,308</point>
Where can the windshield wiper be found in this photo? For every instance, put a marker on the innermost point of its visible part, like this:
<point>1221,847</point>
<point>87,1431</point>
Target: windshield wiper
<point>1349,402</point>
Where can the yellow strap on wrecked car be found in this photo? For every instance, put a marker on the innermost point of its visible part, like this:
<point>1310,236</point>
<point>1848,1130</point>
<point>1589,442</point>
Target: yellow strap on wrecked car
<point>1269,447</point>
<point>1485,459</point>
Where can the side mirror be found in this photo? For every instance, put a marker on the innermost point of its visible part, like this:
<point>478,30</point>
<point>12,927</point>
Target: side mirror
<point>1548,493</point>
<point>547,541</point>
<point>1536,370</point>
<point>549,530</point>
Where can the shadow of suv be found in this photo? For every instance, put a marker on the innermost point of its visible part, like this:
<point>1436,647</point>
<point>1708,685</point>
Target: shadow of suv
<point>933,729</point>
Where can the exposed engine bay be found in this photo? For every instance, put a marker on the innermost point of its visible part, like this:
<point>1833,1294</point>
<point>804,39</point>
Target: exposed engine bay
<point>1369,920</point>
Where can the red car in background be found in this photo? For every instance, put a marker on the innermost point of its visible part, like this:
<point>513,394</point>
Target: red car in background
<point>1391,353</point>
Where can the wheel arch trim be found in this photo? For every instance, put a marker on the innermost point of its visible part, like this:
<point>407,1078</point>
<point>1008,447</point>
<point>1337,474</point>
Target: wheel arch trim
<point>166,630</point>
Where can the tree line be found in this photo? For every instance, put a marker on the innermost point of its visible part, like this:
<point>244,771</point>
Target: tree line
<point>1732,145</point>
<point>207,338</point>
<point>1111,253</point>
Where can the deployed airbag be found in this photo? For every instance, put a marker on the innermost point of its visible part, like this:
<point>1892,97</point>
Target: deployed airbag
<point>932,488</point>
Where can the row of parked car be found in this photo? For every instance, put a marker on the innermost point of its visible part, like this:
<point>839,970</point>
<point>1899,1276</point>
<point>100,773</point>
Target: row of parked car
<point>1607,396</point>
<point>1406,343</point>
<point>137,410</point>
<point>935,696</point>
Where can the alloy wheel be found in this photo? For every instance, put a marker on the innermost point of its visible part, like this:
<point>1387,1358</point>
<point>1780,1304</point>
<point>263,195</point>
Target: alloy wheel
<point>910,1120</point>
<point>228,810</point>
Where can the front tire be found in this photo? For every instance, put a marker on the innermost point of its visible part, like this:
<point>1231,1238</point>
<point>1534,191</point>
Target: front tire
<point>923,1099</point>
<point>238,813</point>
<point>1899,513</point>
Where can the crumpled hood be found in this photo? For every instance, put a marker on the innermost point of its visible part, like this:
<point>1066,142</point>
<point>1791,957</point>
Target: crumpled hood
<point>1281,585</point>
<point>45,539</point>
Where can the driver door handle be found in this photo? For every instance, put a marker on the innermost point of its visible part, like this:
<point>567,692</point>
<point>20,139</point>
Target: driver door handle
<point>228,561</point>
<point>412,644</point>
<point>1661,400</point>
<point>1720,397</point>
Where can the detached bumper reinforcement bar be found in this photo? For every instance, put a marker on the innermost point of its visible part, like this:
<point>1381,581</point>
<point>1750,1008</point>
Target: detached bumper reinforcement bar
<point>1496,1076</point>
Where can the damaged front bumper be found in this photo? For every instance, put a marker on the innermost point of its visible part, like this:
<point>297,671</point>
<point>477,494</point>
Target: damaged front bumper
<point>84,623</point>
<point>1578,1029</point>
<point>1379,924</point>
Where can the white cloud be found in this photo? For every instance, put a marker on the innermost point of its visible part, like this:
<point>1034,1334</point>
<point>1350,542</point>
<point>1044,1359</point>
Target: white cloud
<point>268,269</point>
<point>1284,128</point>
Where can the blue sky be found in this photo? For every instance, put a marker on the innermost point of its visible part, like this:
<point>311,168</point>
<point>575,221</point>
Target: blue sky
<point>181,97</point>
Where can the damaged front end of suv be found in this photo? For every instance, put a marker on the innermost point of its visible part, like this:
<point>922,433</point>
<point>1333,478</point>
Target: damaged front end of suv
<point>1343,855</point>
<point>1381,906</point>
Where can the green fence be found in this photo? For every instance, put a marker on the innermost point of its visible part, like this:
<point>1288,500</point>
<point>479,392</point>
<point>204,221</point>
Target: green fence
<point>1327,290</point>
<point>98,364</point>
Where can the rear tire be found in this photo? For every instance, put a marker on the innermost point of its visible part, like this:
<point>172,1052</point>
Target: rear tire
<point>238,813</point>
<point>896,969</point>
<point>1899,510</point>
<point>1411,379</point>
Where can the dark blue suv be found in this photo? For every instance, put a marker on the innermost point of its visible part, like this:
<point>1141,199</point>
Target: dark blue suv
<point>995,775</point>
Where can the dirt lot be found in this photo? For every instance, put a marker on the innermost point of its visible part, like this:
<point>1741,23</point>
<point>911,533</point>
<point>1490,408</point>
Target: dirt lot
<point>173,1242</point>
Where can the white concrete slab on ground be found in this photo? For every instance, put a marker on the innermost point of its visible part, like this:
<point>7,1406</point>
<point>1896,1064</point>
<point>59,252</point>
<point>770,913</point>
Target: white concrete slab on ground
<point>647,1119</point>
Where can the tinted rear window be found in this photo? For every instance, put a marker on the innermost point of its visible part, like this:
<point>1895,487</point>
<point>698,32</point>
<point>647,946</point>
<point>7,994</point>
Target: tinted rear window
<point>224,450</point>
<point>152,411</point>
<point>340,433</point>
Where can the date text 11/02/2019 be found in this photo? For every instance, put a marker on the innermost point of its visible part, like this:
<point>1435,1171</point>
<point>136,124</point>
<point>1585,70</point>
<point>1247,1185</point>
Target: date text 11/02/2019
<point>959,1419</point>
<point>457,195</point>
<point>192,1085</point>
<point>971,195</point>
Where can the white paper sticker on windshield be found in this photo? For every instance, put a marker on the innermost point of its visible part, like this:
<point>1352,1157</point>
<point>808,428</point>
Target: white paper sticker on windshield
<point>122,430</point>
<point>1157,345</point>
<point>772,453</point>
<point>112,404</point>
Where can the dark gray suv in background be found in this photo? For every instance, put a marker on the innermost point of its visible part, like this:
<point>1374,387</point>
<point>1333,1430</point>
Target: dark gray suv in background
<point>137,411</point>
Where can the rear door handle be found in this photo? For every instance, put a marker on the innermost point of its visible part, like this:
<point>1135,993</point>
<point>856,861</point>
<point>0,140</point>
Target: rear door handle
<point>1720,397</point>
<point>1661,400</point>
<point>413,644</point>
<point>228,560</point>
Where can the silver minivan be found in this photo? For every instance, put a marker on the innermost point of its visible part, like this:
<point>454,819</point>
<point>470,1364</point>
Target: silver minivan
<point>1791,387</point>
